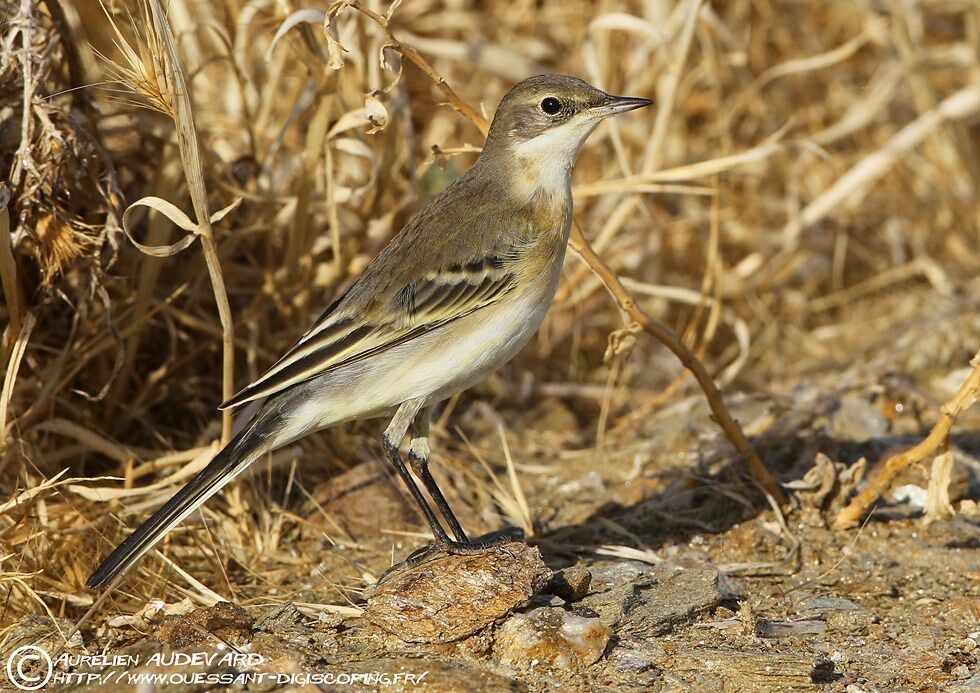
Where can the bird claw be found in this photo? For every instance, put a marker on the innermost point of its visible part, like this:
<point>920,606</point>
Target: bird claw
<point>479,545</point>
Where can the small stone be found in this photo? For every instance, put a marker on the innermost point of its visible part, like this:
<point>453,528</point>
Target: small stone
<point>657,602</point>
<point>450,597</point>
<point>551,638</point>
<point>571,584</point>
<point>910,494</point>
<point>229,622</point>
<point>969,508</point>
<point>675,600</point>
<point>813,606</point>
<point>788,629</point>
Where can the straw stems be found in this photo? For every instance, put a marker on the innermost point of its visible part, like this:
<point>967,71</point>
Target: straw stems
<point>190,155</point>
<point>936,441</point>
<point>8,275</point>
<point>413,55</point>
<point>627,304</point>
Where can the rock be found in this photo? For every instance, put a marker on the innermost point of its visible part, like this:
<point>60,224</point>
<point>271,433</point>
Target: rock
<point>817,606</point>
<point>970,685</point>
<point>675,600</point>
<point>615,589</point>
<point>788,629</point>
<point>40,631</point>
<point>283,632</point>
<point>857,419</point>
<point>909,494</point>
<point>655,602</point>
<point>731,669</point>
<point>228,622</point>
<point>450,597</point>
<point>551,638</point>
<point>571,584</point>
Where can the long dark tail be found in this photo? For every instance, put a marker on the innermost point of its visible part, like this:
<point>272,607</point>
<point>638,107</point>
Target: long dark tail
<point>241,451</point>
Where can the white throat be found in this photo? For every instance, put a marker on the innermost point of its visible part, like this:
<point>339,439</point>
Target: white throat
<point>546,161</point>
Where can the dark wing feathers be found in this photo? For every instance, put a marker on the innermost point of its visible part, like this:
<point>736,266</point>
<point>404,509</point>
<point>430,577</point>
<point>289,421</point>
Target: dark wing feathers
<point>340,336</point>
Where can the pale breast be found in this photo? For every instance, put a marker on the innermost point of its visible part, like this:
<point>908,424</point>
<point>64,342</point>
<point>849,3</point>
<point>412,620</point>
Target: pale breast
<point>483,342</point>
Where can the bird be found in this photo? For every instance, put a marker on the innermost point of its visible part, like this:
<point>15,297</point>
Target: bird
<point>455,294</point>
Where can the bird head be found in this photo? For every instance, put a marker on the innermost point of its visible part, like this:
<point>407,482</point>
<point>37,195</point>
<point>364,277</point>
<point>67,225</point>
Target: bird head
<point>549,117</point>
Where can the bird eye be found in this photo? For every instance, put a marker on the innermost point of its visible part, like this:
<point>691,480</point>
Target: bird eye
<point>550,105</point>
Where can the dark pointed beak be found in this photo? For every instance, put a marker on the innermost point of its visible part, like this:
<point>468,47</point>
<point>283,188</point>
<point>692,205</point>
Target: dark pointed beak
<point>612,105</point>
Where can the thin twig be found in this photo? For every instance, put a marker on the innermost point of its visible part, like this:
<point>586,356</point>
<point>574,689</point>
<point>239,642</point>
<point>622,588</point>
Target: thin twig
<point>965,397</point>
<point>624,300</point>
<point>23,162</point>
<point>672,341</point>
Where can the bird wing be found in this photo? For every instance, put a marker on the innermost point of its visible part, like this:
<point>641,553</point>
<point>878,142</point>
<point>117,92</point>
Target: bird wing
<point>358,325</point>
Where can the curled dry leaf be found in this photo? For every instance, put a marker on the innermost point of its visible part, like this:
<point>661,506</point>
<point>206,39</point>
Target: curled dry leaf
<point>621,341</point>
<point>335,49</point>
<point>304,16</point>
<point>827,483</point>
<point>391,10</point>
<point>385,65</point>
<point>174,214</point>
<point>376,113</point>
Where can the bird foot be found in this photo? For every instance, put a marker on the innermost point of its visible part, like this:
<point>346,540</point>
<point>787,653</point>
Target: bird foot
<point>480,544</point>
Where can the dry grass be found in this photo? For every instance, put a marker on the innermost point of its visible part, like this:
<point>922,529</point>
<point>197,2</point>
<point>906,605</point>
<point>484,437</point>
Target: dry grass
<point>803,200</point>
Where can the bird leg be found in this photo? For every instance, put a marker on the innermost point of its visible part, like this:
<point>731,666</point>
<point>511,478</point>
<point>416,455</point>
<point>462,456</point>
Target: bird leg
<point>418,457</point>
<point>392,437</point>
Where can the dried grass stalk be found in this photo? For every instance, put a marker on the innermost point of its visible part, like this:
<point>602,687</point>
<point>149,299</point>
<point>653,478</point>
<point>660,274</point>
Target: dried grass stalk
<point>938,506</point>
<point>938,438</point>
